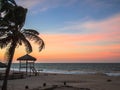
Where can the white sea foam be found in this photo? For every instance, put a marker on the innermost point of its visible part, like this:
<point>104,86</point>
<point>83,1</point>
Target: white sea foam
<point>113,74</point>
<point>110,69</point>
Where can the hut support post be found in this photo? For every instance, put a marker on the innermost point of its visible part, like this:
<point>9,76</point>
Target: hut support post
<point>19,65</point>
<point>30,68</point>
<point>26,67</point>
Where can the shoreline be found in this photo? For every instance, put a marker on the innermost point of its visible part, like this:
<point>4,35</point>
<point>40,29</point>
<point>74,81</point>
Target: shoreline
<point>112,73</point>
<point>91,81</point>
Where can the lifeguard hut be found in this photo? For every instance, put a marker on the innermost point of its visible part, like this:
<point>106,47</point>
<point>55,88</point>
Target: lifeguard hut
<point>27,62</point>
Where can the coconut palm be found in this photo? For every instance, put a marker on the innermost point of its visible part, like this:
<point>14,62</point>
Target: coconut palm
<point>12,33</point>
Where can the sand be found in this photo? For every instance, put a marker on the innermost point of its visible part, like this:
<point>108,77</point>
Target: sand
<point>65,82</point>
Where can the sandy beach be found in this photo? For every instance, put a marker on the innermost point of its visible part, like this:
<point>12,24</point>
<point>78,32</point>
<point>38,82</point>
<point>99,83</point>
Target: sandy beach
<point>47,81</point>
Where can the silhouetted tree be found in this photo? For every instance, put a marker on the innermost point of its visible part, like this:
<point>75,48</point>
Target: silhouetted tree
<point>12,19</point>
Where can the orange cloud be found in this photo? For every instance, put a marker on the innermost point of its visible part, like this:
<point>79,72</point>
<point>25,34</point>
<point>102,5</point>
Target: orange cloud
<point>73,48</point>
<point>103,44</point>
<point>70,47</point>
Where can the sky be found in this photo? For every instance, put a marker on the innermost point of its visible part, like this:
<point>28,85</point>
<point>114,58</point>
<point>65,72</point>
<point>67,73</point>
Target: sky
<point>74,31</point>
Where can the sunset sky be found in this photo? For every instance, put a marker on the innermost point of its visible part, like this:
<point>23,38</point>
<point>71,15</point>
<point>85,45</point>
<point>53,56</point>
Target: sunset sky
<point>74,30</point>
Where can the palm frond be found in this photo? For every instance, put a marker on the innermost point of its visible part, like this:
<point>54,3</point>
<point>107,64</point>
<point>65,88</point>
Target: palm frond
<point>42,45</point>
<point>3,31</point>
<point>30,31</point>
<point>2,4</point>
<point>22,39</point>
<point>27,45</point>
<point>5,41</point>
<point>4,23</point>
<point>13,2</point>
<point>8,10</point>
<point>36,39</point>
<point>10,51</point>
<point>7,54</point>
<point>20,16</point>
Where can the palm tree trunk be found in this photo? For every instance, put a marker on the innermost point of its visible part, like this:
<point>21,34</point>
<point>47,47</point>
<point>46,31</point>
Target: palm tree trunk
<point>11,52</point>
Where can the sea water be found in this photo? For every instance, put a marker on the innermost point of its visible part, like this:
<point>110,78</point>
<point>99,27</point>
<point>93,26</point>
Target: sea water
<point>111,69</point>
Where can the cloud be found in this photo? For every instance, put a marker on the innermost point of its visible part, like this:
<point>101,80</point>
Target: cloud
<point>71,47</point>
<point>74,47</point>
<point>109,25</point>
<point>29,3</point>
<point>101,4</point>
<point>100,41</point>
<point>43,5</point>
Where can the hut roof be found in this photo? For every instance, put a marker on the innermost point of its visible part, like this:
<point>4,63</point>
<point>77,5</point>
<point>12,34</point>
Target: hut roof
<point>2,65</point>
<point>26,58</point>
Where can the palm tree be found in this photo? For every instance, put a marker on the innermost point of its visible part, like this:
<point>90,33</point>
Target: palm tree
<point>12,18</point>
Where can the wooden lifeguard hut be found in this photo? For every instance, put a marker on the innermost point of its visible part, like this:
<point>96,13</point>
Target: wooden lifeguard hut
<point>27,62</point>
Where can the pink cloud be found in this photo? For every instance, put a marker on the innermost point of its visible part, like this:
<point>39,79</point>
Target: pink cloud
<point>70,47</point>
<point>111,24</point>
<point>82,46</point>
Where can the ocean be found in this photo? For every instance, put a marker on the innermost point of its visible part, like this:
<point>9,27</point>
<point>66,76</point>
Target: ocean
<point>111,69</point>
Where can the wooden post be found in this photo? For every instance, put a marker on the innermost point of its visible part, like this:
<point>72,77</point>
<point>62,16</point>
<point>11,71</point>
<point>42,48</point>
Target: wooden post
<point>30,69</point>
<point>26,67</point>
<point>33,64</point>
<point>19,65</point>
